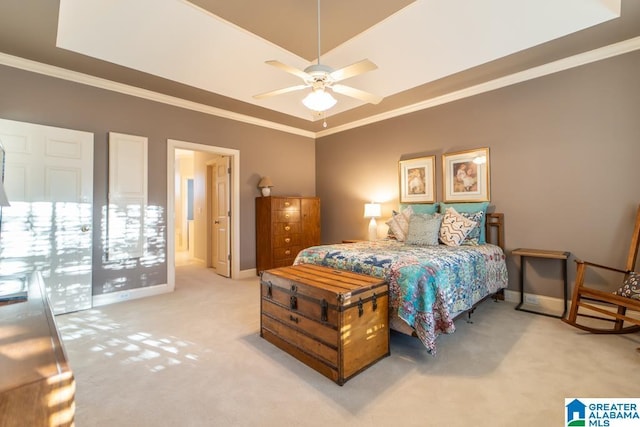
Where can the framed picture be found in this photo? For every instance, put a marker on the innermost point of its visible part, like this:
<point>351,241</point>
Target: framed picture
<point>465,176</point>
<point>417,180</point>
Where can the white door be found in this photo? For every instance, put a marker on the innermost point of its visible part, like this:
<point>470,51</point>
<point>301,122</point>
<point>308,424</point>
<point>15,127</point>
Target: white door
<point>49,183</point>
<point>221,215</point>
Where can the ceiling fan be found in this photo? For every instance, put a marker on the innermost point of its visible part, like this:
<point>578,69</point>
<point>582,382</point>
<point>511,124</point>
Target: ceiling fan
<point>321,78</point>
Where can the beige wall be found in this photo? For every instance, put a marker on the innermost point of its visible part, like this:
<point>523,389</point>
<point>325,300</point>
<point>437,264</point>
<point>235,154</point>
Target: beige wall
<point>200,207</point>
<point>564,153</point>
<point>184,171</point>
<point>287,158</point>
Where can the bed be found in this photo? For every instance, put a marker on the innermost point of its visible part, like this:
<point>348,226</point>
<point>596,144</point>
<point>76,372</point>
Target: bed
<point>430,285</point>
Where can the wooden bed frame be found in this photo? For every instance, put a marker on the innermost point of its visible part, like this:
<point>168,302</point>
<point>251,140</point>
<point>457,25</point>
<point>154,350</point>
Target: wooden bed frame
<point>494,227</point>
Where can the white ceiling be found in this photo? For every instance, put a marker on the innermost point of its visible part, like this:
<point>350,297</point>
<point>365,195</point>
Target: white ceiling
<point>425,41</point>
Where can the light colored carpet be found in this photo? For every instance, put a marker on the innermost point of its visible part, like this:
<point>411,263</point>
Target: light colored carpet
<point>195,358</point>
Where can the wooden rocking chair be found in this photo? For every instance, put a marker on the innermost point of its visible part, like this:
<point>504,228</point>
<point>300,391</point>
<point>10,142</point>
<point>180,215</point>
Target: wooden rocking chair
<point>597,301</point>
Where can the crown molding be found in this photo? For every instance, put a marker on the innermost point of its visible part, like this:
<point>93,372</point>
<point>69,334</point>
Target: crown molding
<point>595,55</point>
<point>77,77</point>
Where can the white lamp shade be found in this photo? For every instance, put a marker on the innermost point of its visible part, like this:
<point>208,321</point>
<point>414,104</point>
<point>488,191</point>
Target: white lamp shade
<point>372,210</point>
<point>319,100</point>
<point>265,185</point>
<point>265,182</point>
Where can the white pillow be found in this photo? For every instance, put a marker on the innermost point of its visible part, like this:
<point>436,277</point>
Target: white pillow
<point>399,223</point>
<point>455,227</point>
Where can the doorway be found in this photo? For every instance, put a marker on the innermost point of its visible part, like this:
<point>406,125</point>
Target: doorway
<point>194,239</point>
<point>184,232</point>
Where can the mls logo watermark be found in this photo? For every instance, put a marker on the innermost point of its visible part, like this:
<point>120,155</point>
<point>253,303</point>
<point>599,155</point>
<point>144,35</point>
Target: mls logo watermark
<point>607,412</point>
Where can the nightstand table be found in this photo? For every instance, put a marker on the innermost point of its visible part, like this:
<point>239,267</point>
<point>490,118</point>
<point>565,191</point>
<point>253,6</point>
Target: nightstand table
<point>541,253</point>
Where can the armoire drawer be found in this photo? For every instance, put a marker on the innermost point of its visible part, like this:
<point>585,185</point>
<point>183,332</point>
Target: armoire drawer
<point>287,252</point>
<point>287,216</point>
<point>286,240</point>
<point>286,227</point>
<point>286,204</point>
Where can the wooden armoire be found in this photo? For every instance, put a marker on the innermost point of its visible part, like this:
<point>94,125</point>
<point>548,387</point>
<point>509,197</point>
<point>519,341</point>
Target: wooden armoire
<point>285,226</point>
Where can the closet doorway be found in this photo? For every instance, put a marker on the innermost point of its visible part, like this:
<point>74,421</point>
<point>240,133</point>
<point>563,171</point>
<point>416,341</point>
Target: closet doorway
<point>202,208</point>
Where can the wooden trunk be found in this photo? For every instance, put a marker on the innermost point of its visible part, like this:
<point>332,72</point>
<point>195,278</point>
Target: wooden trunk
<point>335,321</point>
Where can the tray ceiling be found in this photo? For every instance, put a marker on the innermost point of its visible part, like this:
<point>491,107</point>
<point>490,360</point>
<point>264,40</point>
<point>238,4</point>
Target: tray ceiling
<point>213,51</point>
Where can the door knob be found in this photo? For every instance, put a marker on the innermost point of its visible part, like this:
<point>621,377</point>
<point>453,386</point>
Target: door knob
<point>84,228</point>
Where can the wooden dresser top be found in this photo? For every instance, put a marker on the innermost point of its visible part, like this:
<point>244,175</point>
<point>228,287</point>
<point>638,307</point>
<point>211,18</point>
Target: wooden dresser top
<point>30,347</point>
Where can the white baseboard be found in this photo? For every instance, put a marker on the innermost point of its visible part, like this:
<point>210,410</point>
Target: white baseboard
<point>545,303</point>
<point>114,297</point>
<point>247,274</point>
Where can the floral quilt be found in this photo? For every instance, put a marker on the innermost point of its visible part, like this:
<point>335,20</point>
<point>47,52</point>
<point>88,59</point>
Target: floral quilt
<point>429,285</point>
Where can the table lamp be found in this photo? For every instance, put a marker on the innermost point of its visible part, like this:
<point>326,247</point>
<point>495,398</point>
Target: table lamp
<point>265,185</point>
<point>373,211</point>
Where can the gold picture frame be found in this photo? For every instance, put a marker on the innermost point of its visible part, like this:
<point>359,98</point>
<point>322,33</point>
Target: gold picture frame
<point>417,180</point>
<point>465,176</point>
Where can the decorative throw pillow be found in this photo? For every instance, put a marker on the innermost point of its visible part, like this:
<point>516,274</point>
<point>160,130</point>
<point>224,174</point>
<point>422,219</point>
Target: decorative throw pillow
<point>631,286</point>
<point>470,207</point>
<point>424,229</point>
<point>390,234</point>
<point>454,228</point>
<point>399,224</point>
<point>473,238</point>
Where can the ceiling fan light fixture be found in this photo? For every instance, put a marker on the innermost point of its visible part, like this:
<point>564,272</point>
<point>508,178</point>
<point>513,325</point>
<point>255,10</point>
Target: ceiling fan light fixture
<point>320,77</point>
<point>319,100</point>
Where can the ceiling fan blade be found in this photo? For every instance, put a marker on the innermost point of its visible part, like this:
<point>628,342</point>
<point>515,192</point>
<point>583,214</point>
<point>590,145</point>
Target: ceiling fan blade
<point>353,70</point>
<point>357,93</point>
<point>279,91</point>
<point>289,69</point>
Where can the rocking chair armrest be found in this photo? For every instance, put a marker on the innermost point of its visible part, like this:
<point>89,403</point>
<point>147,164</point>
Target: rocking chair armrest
<point>593,264</point>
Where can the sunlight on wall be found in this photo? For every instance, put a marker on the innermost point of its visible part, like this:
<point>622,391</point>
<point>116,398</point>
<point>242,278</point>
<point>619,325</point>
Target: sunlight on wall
<point>125,232</point>
<point>153,247</point>
<point>56,238</point>
<point>130,222</point>
<point>46,236</point>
